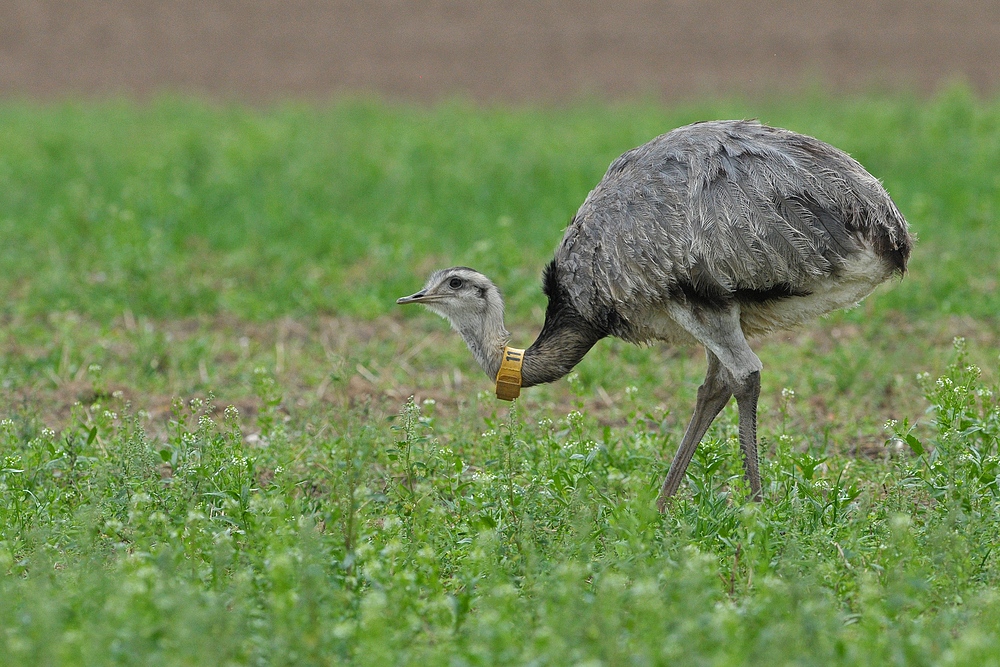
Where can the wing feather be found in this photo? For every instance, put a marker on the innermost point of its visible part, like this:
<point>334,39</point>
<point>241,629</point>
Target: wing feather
<point>715,208</point>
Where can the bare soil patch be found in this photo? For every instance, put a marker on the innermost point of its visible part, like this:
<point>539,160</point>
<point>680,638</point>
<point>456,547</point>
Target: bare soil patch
<point>493,50</point>
<point>331,365</point>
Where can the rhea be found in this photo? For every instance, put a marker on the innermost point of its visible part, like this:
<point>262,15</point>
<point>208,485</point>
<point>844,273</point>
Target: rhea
<point>713,233</point>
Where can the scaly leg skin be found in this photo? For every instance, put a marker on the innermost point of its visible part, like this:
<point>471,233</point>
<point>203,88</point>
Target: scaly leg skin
<point>746,400</point>
<point>713,395</point>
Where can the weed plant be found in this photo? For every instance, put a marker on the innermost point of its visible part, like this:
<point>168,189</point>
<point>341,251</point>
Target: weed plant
<point>535,543</point>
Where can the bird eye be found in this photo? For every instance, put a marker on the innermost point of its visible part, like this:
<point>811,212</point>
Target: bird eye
<point>455,283</point>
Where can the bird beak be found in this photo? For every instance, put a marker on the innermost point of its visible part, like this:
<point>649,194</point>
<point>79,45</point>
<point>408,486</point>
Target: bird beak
<point>413,298</point>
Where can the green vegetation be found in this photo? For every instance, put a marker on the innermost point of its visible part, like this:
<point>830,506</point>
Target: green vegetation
<point>162,262</point>
<point>179,209</point>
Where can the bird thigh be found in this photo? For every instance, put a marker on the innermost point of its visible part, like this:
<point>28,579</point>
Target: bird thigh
<point>718,329</point>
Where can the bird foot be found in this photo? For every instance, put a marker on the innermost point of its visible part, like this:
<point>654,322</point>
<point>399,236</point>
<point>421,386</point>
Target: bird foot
<point>661,503</point>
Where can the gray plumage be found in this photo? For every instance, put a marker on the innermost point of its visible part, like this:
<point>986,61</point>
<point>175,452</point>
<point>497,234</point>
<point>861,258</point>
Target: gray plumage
<point>712,233</point>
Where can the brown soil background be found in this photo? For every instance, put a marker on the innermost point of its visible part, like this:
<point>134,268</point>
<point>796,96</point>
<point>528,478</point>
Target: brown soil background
<point>492,50</point>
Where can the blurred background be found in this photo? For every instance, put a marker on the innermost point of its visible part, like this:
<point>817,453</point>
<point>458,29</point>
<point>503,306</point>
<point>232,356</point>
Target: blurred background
<point>491,50</point>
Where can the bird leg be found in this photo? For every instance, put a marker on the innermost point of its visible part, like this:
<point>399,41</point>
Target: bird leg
<point>733,369</point>
<point>713,395</point>
<point>747,394</point>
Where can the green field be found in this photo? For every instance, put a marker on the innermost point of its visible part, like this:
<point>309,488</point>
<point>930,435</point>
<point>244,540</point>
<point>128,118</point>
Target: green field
<point>210,454</point>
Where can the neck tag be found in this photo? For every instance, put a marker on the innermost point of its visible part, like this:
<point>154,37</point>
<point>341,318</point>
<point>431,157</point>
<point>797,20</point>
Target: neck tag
<point>509,376</point>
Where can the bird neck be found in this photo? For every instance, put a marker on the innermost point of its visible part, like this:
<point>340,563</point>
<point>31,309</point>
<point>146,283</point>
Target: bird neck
<point>486,338</point>
<point>552,356</point>
<point>565,338</point>
<point>563,341</point>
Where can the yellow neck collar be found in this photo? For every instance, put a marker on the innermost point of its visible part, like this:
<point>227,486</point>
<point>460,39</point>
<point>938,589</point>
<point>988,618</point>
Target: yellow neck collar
<point>509,376</point>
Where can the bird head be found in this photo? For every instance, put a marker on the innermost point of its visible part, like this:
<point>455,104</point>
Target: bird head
<point>459,294</point>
